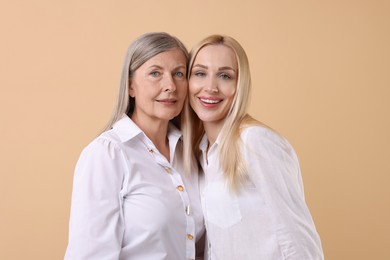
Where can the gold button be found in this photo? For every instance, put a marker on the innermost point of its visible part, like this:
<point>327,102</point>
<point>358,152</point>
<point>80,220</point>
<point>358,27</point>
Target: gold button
<point>150,150</point>
<point>180,188</point>
<point>168,170</point>
<point>190,237</point>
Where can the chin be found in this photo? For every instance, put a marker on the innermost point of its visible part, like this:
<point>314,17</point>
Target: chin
<point>169,117</point>
<point>206,119</point>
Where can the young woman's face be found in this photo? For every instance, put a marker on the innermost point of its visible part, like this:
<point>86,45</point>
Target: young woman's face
<point>213,82</point>
<point>159,87</point>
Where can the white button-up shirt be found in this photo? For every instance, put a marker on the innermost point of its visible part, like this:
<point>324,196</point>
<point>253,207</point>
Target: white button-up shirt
<point>130,202</point>
<point>268,219</point>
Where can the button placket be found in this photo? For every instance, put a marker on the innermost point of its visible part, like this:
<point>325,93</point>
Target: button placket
<point>190,229</point>
<point>178,184</point>
<point>206,177</point>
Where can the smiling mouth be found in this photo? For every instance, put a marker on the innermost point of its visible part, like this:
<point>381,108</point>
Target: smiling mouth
<point>210,101</point>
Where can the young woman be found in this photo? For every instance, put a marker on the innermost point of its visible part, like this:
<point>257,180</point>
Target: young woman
<point>252,193</point>
<point>130,199</point>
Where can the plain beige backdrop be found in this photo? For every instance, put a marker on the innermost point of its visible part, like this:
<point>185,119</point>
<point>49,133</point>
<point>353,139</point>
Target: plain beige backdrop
<point>321,77</point>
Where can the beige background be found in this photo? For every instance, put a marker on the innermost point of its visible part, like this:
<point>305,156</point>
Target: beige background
<point>321,76</point>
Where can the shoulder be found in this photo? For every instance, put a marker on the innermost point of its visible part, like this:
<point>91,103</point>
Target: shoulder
<point>270,156</point>
<point>263,133</point>
<point>108,144</point>
<point>104,159</point>
<point>261,139</point>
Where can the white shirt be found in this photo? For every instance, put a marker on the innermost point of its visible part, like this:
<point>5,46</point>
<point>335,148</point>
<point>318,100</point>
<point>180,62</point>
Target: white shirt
<point>268,219</point>
<point>130,202</point>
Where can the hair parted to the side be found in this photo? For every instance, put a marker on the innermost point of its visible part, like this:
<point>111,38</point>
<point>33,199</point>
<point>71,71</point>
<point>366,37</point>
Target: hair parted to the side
<point>231,161</point>
<point>141,50</point>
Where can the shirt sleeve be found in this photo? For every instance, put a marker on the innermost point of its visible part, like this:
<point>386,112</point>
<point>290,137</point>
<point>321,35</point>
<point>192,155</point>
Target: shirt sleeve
<point>273,167</point>
<point>96,225</point>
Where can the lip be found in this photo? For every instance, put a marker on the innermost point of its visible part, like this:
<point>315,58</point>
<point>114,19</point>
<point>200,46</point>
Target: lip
<point>167,101</point>
<point>210,102</point>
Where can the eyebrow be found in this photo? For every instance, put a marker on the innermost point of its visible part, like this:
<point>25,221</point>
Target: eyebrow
<point>221,68</point>
<point>160,67</point>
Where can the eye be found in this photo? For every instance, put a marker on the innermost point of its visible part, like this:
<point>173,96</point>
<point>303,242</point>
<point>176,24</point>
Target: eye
<point>199,73</point>
<point>179,74</point>
<point>225,76</point>
<point>155,73</point>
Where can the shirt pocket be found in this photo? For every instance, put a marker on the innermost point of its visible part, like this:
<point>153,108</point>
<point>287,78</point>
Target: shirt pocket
<point>222,206</point>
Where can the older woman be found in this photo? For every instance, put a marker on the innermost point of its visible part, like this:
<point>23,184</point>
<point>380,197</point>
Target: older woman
<point>130,198</point>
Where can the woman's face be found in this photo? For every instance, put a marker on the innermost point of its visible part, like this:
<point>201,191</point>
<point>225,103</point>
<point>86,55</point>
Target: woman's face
<point>213,82</point>
<point>159,87</point>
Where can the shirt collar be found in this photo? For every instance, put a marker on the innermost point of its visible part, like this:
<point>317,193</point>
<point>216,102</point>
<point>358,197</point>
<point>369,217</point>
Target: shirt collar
<point>126,129</point>
<point>173,132</point>
<point>204,142</point>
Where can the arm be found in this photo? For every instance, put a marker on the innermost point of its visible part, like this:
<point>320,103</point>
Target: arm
<point>273,166</point>
<point>96,221</point>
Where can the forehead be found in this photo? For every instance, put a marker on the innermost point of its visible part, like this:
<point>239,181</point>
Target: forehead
<point>216,56</point>
<point>174,57</point>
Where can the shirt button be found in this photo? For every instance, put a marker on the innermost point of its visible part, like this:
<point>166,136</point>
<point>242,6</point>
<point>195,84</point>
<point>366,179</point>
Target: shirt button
<point>167,170</point>
<point>180,188</point>
<point>190,237</point>
<point>188,210</point>
<point>150,150</point>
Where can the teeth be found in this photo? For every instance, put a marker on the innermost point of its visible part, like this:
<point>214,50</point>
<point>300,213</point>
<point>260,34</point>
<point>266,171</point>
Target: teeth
<point>210,101</point>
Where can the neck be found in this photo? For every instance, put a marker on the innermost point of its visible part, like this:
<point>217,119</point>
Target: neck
<point>156,131</point>
<point>158,135</point>
<point>212,131</point>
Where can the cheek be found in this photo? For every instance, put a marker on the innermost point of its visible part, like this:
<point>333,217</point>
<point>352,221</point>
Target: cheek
<point>232,93</point>
<point>230,90</point>
<point>193,106</point>
<point>193,87</point>
<point>191,100</point>
<point>182,85</point>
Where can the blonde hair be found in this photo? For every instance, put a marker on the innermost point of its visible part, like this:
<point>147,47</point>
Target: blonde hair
<point>141,50</point>
<point>231,161</point>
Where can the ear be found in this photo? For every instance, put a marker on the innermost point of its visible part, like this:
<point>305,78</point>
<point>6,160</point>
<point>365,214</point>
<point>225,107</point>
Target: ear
<point>131,90</point>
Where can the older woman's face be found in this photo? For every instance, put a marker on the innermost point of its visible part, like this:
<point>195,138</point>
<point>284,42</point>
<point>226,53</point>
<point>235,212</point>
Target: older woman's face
<point>213,82</point>
<point>159,87</point>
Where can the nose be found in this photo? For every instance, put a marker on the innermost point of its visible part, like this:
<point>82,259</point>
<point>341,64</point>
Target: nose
<point>169,84</point>
<point>212,85</point>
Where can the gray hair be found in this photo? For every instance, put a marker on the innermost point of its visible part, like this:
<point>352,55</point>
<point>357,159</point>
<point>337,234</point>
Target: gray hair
<point>140,50</point>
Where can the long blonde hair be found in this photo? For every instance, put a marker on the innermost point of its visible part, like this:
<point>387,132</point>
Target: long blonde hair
<point>231,160</point>
<point>141,50</point>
